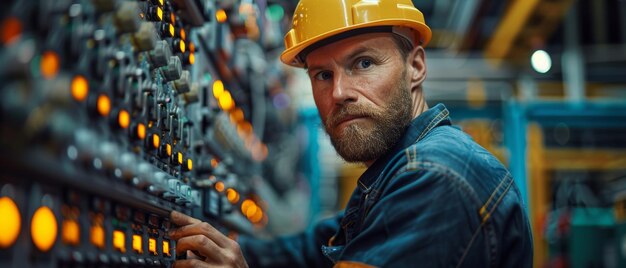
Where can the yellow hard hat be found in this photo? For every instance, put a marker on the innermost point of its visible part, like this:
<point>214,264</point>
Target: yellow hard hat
<point>316,20</point>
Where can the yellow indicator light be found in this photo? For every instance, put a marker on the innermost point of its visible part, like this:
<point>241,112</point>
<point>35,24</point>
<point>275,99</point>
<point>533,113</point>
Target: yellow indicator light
<point>192,58</point>
<point>172,30</point>
<point>11,29</point>
<point>70,232</point>
<point>181,45</point>
<point>49,64</point>
<point>137,244</point>
<point>218,88</point>
<point>43,228</point>
<point>226,101</point>
<point>219,186</point>
<point>80,88</point>
<point>141,131</point>
<point>182,33</point>
<point>232,195</point>
<point>152,246</point>
<point>166,248</point>
<point>161,2</point>
<point>123,118</point>
<point>104,105</point>
<point>119,241</point>
<point>189,164</point>
<point>97,236</point>
<point>172,18</point>
<point>10,223</point>
<point>221,16</point>
<point>159,13</point>
<point>156,141</point>
<point>168,149</point>
<point>180,158</point>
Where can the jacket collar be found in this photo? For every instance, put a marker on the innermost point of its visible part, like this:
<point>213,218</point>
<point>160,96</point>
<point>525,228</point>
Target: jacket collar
<point>417,129</point>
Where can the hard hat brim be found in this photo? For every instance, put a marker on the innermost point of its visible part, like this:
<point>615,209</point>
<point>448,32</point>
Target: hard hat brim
<point>290,56</point>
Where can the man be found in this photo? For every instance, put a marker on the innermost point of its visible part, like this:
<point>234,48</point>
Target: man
<point>431,197</point>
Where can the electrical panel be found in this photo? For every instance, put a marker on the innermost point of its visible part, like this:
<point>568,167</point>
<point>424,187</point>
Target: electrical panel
<point>115,113</point>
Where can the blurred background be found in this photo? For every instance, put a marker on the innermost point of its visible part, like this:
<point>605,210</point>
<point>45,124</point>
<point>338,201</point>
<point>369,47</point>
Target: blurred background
<point>540,84</point>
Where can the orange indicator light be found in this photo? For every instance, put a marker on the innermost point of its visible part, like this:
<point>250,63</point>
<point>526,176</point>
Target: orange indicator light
<point>137,244</point>
<point>123,118</point>
<point>219,186</point>
<point>43,228</point>
<point>221,16</point>
<point>10,223</point>
<point>70,232</point>
<point>168,149</point>
<point>119,241</point>
<point>156,141</point>
<point>49,64</point>
<point>11,29</point>
<point>141,131</point>
<point>97,236</point>
<point>80,88</point>
<point>104,105</point>
<point>192,58</point>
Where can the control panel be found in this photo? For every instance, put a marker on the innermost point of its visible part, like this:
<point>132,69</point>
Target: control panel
<point>114,113</point>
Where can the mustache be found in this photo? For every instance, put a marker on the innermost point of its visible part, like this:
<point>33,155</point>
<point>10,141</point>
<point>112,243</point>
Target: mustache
<point>346,111</point>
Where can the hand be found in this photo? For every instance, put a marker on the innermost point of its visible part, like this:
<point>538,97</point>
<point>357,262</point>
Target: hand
<point>208,246</point>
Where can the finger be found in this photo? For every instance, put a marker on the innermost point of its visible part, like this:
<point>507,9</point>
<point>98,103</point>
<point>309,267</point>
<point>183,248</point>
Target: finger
<point>181,219</point>
<point>190,263</point>
<point>199,245</point>
<point>201,228</point>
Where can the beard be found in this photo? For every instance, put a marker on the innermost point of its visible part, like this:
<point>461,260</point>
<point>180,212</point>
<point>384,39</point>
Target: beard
<point>367,141</point>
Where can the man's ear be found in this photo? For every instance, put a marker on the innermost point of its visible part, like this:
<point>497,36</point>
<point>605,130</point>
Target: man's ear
<point>417,66</point>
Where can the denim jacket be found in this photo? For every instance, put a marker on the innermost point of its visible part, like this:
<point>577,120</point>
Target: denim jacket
<point>437,199</point>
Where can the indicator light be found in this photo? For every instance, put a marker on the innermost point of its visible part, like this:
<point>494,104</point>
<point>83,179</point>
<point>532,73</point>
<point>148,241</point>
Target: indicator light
<point>214,162</point>
<point>218,88</point>
<point>221,16</point>
<point>137,244</point>
<point>183,34</point>
<point>159,13</point>
<point>166,248</point>
<point>189,164</point>
<point>119,241</point>
<point>11,29</point>
<point>219,186</point>
<point>257,217</point>
<point>10,223</point>
<point>43,228</point>
<point>236,115</point>
<point>152,246</point>
<point>104,105</point>
<point>226,101</point>
<point>192,47</point>
<point>49,64</point>
<point>192,58</point>
<point>172,18</point>
<point>180,158</point>
<point>245,205</point>
<point>232,195</point>
<point>171,30</point>
<point>70,232</point>
<point>141,131</point>
<point>252,209</point>
<point>156,141</point>
<point>80,88</point>
<point>97,236</point>
<point>168,149</point>
<point>123,118</point>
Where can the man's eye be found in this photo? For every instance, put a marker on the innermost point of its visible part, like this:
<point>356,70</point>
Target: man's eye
<point>325,75</point>
<point>363,64</point>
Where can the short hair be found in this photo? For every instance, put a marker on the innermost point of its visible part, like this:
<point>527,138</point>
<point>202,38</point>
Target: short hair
<point>404,45</point>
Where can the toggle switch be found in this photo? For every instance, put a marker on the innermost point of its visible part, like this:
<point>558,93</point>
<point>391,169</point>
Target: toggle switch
<point>182,84</point>
<point>146,38</point>
<point>173,69</point>
<point>126,18</point>
<point>160,55</point>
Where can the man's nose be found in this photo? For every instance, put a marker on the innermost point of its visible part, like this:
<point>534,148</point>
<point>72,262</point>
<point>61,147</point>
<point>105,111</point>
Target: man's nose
<point>343,89</point>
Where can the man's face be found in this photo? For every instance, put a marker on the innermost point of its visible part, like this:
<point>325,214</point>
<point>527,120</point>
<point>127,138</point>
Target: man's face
<point>360,87</point>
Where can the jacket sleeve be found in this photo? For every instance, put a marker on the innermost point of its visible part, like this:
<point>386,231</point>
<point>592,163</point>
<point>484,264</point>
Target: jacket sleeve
<point>423,218</point>
<point>301,250</point>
